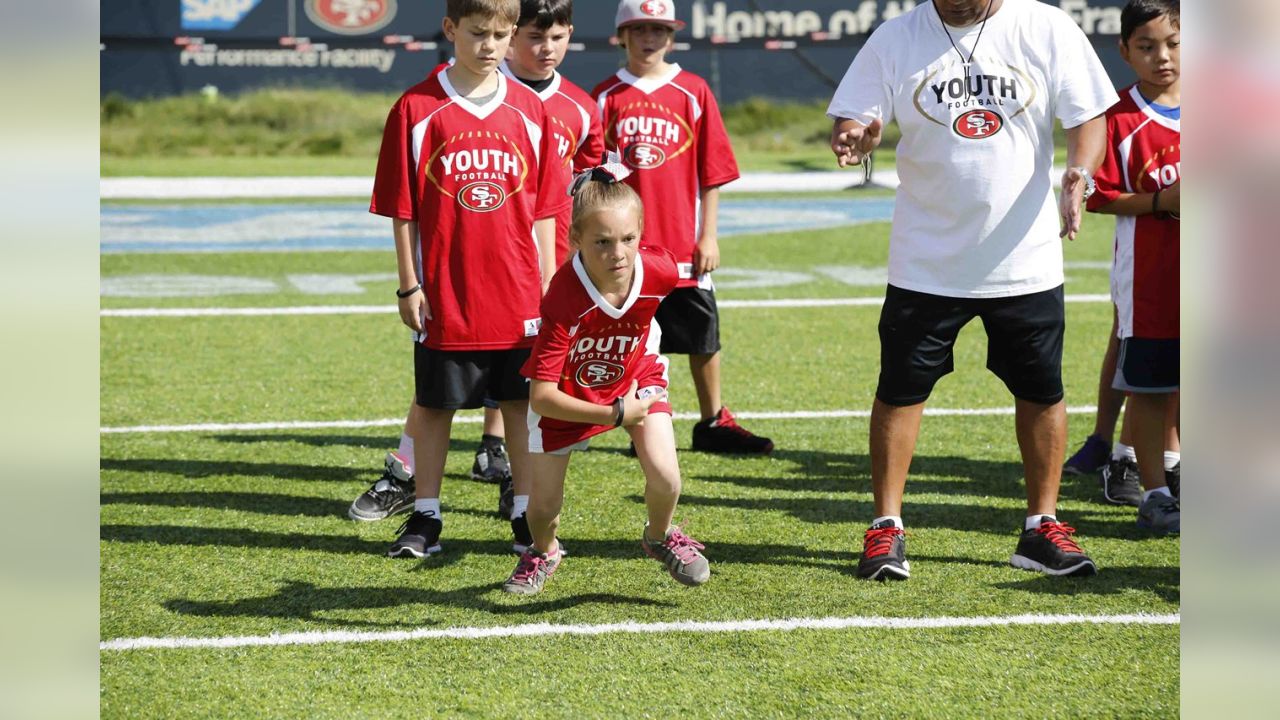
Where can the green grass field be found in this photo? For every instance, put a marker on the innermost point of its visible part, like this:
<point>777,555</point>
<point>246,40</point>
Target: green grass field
<point>219,533</point>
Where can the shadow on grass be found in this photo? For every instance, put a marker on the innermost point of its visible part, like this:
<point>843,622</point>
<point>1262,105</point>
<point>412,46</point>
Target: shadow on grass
<point>303,601</point>
<point>263,503</point>
<point>239,468</point>
<point>1164,582</point>
<point>386,441</point>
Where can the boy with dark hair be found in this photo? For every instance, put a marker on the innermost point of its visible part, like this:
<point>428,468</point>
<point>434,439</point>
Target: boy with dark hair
<point>1139,183</point>
<point>666,125</point>
<point>466,175</point>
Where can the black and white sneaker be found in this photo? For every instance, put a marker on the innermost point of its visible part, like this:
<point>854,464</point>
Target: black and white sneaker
<point>520,532</point>
<point>1049,549</point>
<point>391,494</point>
<point>1121,484</point>
<point>506,497</point>
<point>419,536</point>
<point>1173,479</point>
<point>1160,513</point>
<point>491,463</point>
<point>884,553</point>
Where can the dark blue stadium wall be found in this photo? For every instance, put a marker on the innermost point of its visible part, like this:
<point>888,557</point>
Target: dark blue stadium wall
<point>744,47</point>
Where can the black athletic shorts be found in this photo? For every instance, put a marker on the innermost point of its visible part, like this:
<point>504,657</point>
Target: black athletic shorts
<point>1147,366</point>
<point>457,380</point>
<point>1024,342</point>
<point>690,322</point>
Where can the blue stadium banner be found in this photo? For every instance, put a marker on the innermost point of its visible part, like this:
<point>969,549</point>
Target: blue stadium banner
<point>776,48</point>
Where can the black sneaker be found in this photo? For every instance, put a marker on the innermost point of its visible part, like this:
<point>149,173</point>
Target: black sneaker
<point>1121,484</point>
<point>520,531</point>
<point>1090,458</point>
<point>1173,479</point>
<point>1160,513</point>
<point>506,498</point>
<point>491,463</point>
<point>884,553</point>
<point>391,494</point>
<point>419,536</point>
<point>723,434</point>
<point>1049,549</point>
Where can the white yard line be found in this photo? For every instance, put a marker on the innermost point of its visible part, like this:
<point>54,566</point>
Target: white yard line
<point>688,626</point>
<point>477,418</point>
<point>391,309</point>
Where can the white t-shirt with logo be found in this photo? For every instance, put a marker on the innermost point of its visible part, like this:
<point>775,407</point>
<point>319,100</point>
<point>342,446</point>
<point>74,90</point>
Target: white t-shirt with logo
<point>976,215</point>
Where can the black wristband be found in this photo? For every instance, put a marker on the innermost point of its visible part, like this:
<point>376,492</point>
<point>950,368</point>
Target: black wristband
<point>619,410</point>
<point>402,294</point>
<point>1155,202</point>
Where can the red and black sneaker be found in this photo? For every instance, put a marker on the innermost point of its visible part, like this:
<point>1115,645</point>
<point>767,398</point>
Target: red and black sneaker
<point>723,434</point>
<point>1049,549</point>
<point>884,553</point>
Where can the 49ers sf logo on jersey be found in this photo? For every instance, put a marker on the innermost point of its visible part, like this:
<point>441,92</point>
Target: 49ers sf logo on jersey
<point>644,156</point>
<point>481,168</point>
<point>482,197</point>
<point>599,372</point>
<point>649,134</point>
<point>351,17</point>
<point>978,124</point>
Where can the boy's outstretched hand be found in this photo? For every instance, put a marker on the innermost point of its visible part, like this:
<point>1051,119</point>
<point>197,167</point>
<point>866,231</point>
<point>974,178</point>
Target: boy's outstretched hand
<point>1069,202</point>
<point>414,309</point>
<point>852,142</point>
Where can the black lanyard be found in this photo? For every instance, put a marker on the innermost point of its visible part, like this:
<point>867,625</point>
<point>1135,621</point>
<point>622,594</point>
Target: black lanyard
<point>955,47</point>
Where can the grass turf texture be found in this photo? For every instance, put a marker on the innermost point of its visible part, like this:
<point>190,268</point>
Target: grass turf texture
<point>219,534</point>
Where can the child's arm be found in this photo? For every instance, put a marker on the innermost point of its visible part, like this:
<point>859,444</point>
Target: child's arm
<point>1144,203</point>
<point>414,307</point>
<point>544,231</point>
<point>706,255</point>
<point>548,401</point>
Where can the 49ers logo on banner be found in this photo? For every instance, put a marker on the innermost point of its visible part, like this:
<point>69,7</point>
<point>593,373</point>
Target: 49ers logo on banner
<point>351,17</point>
<point>482,169</point>
<point>978,124</point>
<point>599,372</point>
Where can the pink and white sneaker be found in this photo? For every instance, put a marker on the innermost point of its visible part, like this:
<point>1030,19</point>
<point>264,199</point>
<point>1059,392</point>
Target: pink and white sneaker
<point>679,553</point>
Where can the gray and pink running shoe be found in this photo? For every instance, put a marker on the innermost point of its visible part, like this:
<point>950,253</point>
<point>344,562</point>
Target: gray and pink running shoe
<point>679,553</point>
<point>532,571</point>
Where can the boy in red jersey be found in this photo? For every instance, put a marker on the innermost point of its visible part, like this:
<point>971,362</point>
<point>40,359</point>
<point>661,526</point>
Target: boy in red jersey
<point>596,367</point>
<point>666,125</point>
<point>1139,183</point>
<point>538,48</point>
<point>465,173</point>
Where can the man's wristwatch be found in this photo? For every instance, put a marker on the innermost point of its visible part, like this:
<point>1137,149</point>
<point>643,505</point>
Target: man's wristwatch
<point>1089,185</point>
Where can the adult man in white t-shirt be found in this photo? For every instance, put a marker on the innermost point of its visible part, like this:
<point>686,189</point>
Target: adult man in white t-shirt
<point>975,86</point>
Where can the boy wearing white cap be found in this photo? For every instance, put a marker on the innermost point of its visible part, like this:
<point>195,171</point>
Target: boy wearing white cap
<point>666,125</point>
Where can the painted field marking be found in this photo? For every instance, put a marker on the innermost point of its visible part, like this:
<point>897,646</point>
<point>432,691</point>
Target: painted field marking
<point>317,637</point>
<point>477,418</point>
<point>392,309</point>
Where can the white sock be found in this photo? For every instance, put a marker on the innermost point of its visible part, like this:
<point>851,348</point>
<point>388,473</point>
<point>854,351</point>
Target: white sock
<point>1171,459</point>
<point>519,506</point>
<point>1033,521</point>
<point>897,520</point>
<point>1158,491</point>
<point>406,449</point>
<point>430,506</point>
<point>1123,452</point>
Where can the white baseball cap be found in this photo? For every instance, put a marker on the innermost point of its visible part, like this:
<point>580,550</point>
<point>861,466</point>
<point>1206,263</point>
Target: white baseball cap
<point>659,12</point>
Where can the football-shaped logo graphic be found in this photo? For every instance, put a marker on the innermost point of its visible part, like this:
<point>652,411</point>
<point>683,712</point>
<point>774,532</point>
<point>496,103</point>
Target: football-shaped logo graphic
<point>599,372</point>
<point>482,196</point>
<point>978,124</point>
<point>644,156</point>
<point>351,17</point>
<point>653,8</point>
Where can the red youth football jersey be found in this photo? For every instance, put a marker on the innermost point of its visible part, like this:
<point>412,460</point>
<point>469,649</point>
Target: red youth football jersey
<point>593,350</point>
<point>473,179</point>
<point>670,133</point>
<point>577,136</point>
<point>1144,154</point>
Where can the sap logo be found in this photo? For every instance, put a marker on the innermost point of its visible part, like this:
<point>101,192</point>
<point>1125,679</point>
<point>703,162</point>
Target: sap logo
<point>215,14</point>
<point>599,372</point>
<point>482,197</point>
<point>644,156</point>
<point>477,160</point>
<point>978,124</point>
